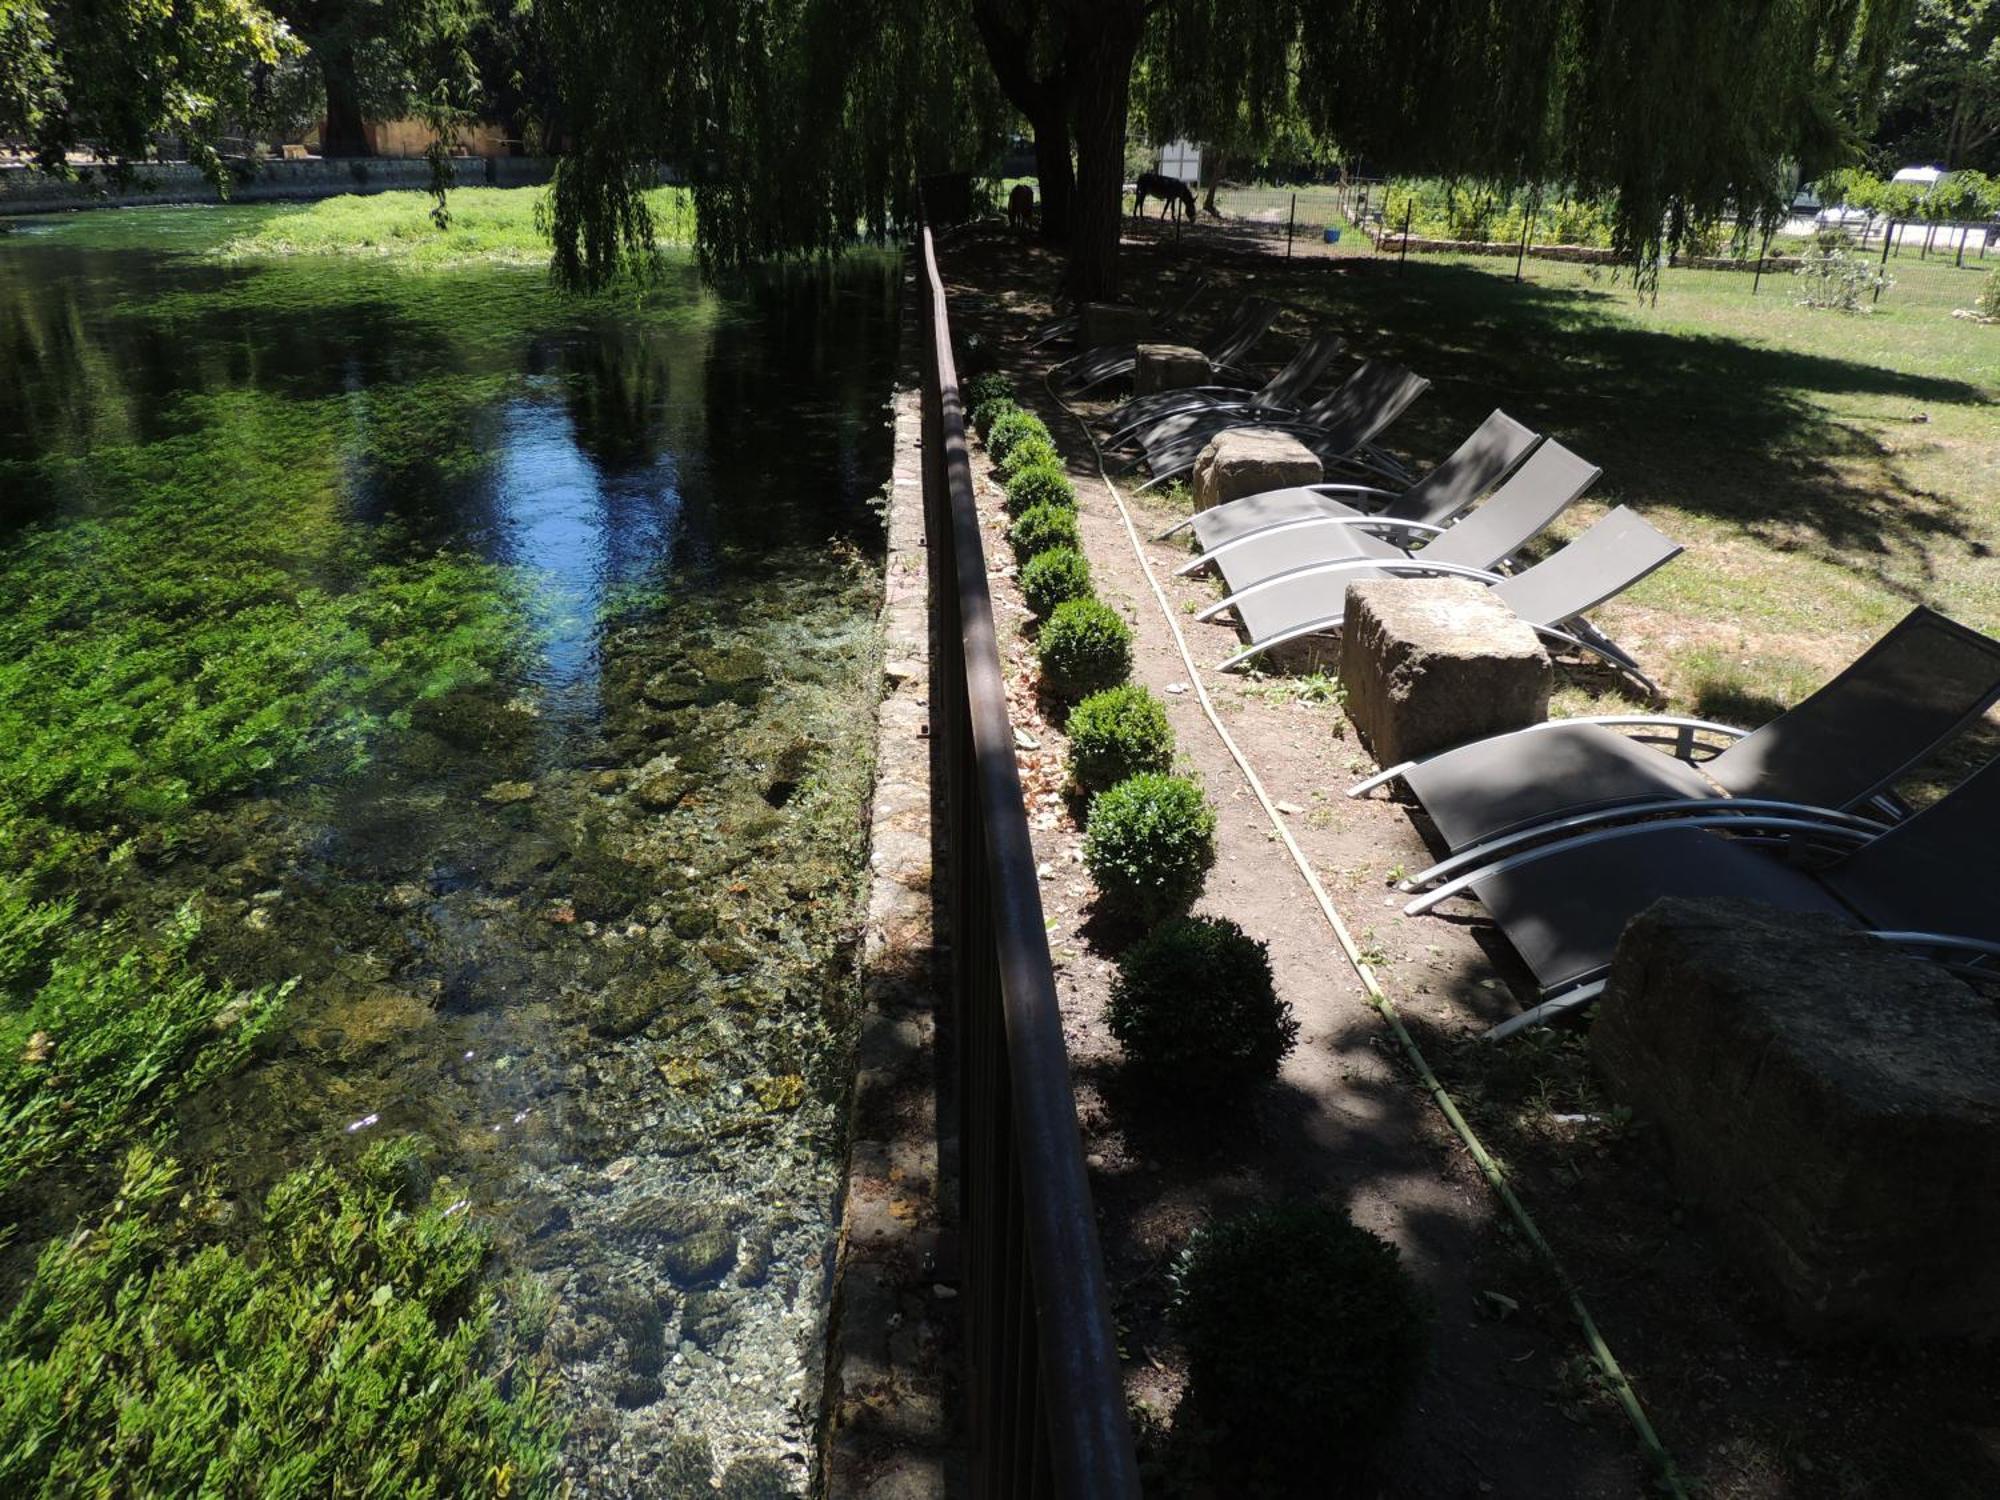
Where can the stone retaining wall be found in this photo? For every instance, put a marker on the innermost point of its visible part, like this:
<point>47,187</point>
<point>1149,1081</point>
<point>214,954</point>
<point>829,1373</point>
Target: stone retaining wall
<point>28,190</point>
<point>895,1331</point>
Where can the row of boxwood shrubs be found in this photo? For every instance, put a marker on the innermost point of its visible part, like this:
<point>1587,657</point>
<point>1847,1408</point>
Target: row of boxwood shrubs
<point>1305,1335</point>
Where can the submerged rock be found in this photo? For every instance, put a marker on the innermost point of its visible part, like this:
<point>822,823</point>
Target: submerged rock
<point>708,1317</point>
<point>701,1259</point>
<point>502,793</point>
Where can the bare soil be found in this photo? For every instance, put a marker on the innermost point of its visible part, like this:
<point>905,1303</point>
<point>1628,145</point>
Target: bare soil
<point>1514,1406</point>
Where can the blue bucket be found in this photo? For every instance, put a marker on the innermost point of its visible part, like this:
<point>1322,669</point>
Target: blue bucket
<point>1333,236</point>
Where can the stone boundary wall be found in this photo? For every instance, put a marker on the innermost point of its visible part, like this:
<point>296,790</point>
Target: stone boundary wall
<point>28,190</point>
<point>1391,242</point>
<point>894,1339</point>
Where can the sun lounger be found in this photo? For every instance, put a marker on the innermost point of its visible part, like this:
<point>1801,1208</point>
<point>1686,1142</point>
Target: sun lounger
<point>1226,347</point>
<point>1552,596</point>
<point>1540,490</point>
<point>1839,750</point>
<point>1493,451</point>
<point>1340,427</point>
<point>1283,391</point>
<point>1926,882</point>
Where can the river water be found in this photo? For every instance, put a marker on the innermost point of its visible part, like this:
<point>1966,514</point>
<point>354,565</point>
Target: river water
<point>495,669</point>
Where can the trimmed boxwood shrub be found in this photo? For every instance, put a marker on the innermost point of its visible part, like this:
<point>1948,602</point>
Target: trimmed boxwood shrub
<point>1118,733</point>
<point>1039,484</point>
<point>1041,527</point>
<point>1149,843</point>
<point>1083,646</point>
<point>1053,578</point>
<point>1030,452</point>
<point>988,412</point>
<point>1193,1003</point>
<point>1012,428</point>
<point>1305,1340</point>
<point>986,388</point>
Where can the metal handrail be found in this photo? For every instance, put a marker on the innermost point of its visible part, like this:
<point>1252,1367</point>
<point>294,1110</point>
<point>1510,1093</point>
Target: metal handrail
<point>1045,1401</point>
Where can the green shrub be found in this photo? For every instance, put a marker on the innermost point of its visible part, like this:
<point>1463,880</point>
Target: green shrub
<point>1989,295</point>
<point>1305,1339</point>
<point>1031,452</point>
<point>1193,1003</point>
<point>1053,578</point>
<point>1010,429</point>
<point>987,387</point>
<point>987,412</point>
<point>1041,527</point>
<point>1039,484</point>
<point>1083,646</point>
<point>1118,733</point>
<point>1149,844</point>
<point>1838,279</point>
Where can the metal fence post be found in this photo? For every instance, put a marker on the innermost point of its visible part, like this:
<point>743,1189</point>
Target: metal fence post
<point>1409,214</point>
<point>1763,254</point>
<point>1887,240</point>
<point>1290,224</point>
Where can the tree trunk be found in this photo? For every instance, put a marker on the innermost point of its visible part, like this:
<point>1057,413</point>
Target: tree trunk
<point>1101,82</point>
<point>1055,173</point>
<point>345,134</point>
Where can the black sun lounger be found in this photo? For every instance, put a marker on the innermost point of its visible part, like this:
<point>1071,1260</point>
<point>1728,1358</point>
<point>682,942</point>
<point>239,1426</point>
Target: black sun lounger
<point>1226,348</point>
<point>1839,750</point>
<point>1493,451</point>
<point>1065,325</point>
<point>1926,882</point>
<point>1340,427</point>
<point>1282,392</point>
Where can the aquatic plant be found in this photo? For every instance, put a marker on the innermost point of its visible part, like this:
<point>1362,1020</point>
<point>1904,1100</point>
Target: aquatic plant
<point>1054,578</point>
<point>1115,734</point>
<point>343,1355</point>
<point>1041,527</point>
<point>1149,843</point>
<point>1039,484</point>
<point>1194,1007</point>
<point>1084,646</point>
<point>1305,1337</point>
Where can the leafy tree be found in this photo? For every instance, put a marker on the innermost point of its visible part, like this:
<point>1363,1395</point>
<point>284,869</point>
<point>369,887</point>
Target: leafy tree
<point>1943,97</point>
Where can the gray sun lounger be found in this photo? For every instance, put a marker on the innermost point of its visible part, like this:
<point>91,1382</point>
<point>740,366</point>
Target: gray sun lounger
<point>1539,491</point>
<point>1341,427</point>
<point>1226,347</point>
<point>1493,451</point>
<point>1926,882</point>
<point>1282,392</point>
<point>1840,749</point>
<point>1552,596</point>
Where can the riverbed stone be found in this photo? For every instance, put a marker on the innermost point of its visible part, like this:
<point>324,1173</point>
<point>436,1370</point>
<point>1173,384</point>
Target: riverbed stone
<point>1114,323</point>
<point>1833,1105</point>
<point>702,1259</point>
<point>1429,663</point>
<point>1169,367</point>
<point>707,1318</point>
<point>1248,461</point>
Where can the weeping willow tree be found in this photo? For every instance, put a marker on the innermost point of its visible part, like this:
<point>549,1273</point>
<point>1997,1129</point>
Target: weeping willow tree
<point>800,121</point>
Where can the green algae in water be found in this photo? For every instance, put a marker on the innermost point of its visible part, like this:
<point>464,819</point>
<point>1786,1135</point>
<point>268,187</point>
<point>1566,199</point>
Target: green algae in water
<point>302,561</point>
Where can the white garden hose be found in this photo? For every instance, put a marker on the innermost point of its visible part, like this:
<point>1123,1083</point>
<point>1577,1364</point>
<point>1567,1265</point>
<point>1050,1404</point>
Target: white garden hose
<point>1495,1175</point>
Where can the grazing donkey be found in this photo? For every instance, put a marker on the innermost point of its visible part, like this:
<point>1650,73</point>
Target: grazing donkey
<point>1174,195</point>
<point>1021,207</point>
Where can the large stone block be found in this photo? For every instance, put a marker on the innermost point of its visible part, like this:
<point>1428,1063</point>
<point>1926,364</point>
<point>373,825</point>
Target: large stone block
<point>1429,663</point>
<point>1114,323</point>
<point>1248,461</point>
<point>1168,367</point>
<point>1834,1107</point>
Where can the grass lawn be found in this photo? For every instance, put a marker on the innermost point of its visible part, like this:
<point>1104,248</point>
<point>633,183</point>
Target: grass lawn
<point>1825,470</point>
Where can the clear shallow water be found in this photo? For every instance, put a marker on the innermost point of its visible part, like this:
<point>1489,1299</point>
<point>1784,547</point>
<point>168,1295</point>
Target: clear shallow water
<point>561,613</point>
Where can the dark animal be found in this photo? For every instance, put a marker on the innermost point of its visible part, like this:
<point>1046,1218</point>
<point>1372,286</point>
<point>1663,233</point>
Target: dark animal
<point>1174,195</point>
<point>1021,207</point>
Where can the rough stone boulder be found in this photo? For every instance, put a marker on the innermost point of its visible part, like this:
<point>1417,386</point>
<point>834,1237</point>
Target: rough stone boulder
<point>1249,460</point>
<point>1168,367</point>
<point>1832,1104</point>
<point>1114,323</point>
<point>1429,663</point>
